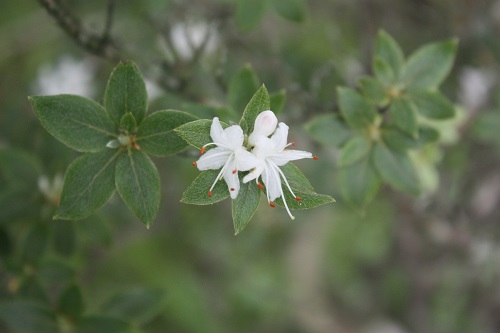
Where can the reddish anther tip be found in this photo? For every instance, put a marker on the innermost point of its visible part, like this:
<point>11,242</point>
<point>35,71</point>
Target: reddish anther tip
<point>315,158</point>
<point>272,204</point>
<point>231,189</point>
<point>136,146</point>
<point>202,150</point>
<point>298,198</point>
<point>259,185</point>
<point>293,144</point>
<point>194,163</point>
<point>210,194</point>
<point>235,171</point>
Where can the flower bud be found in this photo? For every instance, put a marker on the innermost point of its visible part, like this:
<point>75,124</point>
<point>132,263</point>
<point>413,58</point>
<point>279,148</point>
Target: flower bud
<point>265,125</point>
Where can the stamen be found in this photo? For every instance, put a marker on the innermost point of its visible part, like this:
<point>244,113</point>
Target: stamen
<point>202,150</point>
<point>315,158</point>
<point>210,193</point>
<point>284,178</point>
<point>272,204</point>
<point>259,185</point>
<point>298,198</point>
<point>194,163</point>
<point>274,167</point>
<point>293,144</point>
<point>235,171</point>
<point>219,176</point>
<point>231,189</point>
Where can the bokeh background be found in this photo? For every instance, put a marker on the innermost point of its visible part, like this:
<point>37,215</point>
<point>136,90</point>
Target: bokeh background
<point>403,264</point>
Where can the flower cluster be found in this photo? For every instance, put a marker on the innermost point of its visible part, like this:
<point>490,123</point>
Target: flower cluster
<point>265,151</point>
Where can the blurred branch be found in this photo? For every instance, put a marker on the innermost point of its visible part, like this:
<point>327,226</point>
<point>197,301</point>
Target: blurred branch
<point>100,45</point>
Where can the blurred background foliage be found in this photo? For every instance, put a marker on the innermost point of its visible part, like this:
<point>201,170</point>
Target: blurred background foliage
<point>405,264</point>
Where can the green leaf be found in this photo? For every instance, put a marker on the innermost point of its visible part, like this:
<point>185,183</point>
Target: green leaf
<point>35,244</point>
<point>388,50</point>
<point>102,324</point>
<point>138,183</point>
<point>137,305</point>
<point>373,90</point>
<point>293,10</point>
<point>396,169</point>
<point>156,135</point>
<point>88,185</point>
<point>249,13</point>
<point>399,140</point>
<point>302,188</point>
<point>428,66</point>
<point>259,102</point>
<point>404,115</point>
<point>278,101</point>
<point>197,192</point>
<point>354,150</point>
<point>328,130</point>
<point>78,122</point>
<point>245,205</point>
<point>126,92</point>
<point>28,317</point>
<point>197,133</point>
<point>383,72</point>
<point>128,123</point>
<point>427,135</point>
<point>359,182</point>
<point>242,87</point>
<point>357,111</point>
<point>70,302</point>
<point>433,105</point>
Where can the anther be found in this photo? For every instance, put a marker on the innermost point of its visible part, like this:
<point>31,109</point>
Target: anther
<point>259,185</point>
<point>235,171</point>
<point>272,204</point>
<point>210,194</point>
<point>194,163</point>
<point>315,158</point>
<point>293,143</point>
<point>202,150</point>
<point>231,189</point>
<point>298,198</point>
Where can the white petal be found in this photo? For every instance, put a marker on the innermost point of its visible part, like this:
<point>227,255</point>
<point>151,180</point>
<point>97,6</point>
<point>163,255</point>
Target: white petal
<point>232,181</point>
<point>216,130</point>
<point>254,174</point>
<point>265,125</point>
<point>213,159</point>
<point>233,137</point>
<point>280,136</point>
<point>264,147</point>
<point>245,160</point>
<point>273,183</point>
<point>285,156</point>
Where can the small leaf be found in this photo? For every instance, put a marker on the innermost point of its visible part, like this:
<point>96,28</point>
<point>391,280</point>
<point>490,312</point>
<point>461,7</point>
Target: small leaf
<point>373,90</point>
<point>259,102</point>
<point>404,115</point>
<point>245,205</point>
<point>102,324</point>
<point>428,66</point>
<point>396,169</point>
<point>70,302</point>
<point>293,10</point>
<point>357,111</point>
<point>156,134</point>
<point>399,140</point>
<point>138,183</point>
<point>328,130</point>
<point>126,92</point>
<point>354,150</point>
<point>197,133</point>
<point>78,122</point>
<point>388,50</point>
<point>137,305</point>
<point>383,72</point>
<point>278,101</point>
<point>359,182</point>
<point>128,123</point>
<point>197,192</point>
<point>433,105</point>
<point>249,13</point>
<point>297,180</point>
<point>88,185</point>
<point>28,317</point>
<point>427,135</point>
<point>242,87</point>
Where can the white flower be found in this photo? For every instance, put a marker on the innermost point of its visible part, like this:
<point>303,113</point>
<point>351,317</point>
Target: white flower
<point>272,154</point>
<point>265,125</point>
<point>230,155</point>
